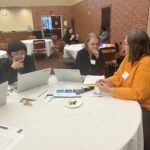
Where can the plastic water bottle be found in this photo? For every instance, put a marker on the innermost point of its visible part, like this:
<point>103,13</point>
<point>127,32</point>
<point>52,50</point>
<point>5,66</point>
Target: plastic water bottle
<point>53,83</point>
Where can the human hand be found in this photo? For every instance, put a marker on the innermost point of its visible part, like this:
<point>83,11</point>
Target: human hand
<point>104,87</point>
<point>96,53</point>
<point>72,37</point>
<point>108,82</point>
<point>17,64</point>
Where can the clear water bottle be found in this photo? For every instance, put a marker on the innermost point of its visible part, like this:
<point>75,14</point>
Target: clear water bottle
<point>53,83</point>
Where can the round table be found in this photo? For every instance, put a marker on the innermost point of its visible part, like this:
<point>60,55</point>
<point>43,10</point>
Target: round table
<point>3,53</point>
<point>101,123</point>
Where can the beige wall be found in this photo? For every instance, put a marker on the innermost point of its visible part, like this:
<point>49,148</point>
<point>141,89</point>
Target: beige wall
<point>17,19</point>
<point>29,3</point>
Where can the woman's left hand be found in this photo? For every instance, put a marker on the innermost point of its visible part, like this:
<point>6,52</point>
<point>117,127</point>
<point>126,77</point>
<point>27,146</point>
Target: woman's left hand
<point>104,87</point>
<point>96,53</point>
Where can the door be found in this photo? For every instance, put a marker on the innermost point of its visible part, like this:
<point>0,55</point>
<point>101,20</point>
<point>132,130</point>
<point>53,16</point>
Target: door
<point>106,18</point>
<point>51,26</point>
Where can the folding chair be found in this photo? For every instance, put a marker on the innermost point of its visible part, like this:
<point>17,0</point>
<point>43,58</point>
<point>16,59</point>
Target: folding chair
<point>39,47</point>
<point>110,58</point>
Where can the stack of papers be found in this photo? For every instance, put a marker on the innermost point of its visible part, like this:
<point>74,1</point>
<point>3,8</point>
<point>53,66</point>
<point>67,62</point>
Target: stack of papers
<point>9,137</point>
<point>90,80</point>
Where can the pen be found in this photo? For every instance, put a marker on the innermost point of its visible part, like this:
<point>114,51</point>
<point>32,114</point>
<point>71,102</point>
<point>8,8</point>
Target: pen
<point>48,95</point>
<point>43,93</point>
<point>20,130</point>
<point>3,127</point>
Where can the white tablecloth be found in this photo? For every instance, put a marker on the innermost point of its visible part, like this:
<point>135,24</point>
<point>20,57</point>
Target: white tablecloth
<point>72,50</point>
<point>101,123</point>
<point>29,45</point>
<point>3,54</point>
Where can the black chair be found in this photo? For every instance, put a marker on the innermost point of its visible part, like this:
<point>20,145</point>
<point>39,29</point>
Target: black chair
<point>110,58</point>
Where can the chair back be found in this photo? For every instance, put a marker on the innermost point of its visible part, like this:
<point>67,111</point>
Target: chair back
<point>39,45</point>
<point>4,46</point>
<point>109,54</point>
<point>110,58</point>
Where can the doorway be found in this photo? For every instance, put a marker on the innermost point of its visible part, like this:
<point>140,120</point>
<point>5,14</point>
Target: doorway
<point>51,25</point>
<point>106,12</point>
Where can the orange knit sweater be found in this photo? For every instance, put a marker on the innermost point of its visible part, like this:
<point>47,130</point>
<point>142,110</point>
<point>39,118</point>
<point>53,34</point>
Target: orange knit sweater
<point>133,81</point>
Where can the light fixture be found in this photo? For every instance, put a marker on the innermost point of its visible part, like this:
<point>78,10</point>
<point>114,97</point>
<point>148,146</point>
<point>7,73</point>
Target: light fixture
<point>4,12</point>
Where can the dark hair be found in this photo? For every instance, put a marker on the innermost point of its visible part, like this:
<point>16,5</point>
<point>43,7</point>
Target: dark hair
<point>89,37</point>
<point>67,31</point>
<point>16,46</point>
<point>104,28</point>
<point>139,45</point>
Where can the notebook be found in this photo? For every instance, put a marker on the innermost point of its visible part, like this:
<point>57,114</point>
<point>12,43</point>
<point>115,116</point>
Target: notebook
<point>33,79</point>
<point>3,93</point>
<point>90,80</point>
<point>72,75</point>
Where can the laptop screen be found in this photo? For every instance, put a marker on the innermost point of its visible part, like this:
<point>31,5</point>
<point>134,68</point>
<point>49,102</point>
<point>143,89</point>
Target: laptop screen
<point>3,93</point>
<point>33,79</point>
<point>68,75</point>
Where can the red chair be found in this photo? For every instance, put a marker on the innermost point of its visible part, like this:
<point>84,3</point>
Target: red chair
<point>39,47</point>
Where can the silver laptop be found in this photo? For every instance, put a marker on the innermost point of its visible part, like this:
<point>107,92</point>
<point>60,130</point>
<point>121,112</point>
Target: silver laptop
<point>3,93</point>
<point>33,79</point>
<point>68,75</point>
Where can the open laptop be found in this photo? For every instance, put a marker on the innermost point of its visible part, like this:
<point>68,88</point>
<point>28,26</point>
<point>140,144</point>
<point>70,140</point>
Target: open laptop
<point>72,75</point>
<point>3,93</point>
<point>33,79</point>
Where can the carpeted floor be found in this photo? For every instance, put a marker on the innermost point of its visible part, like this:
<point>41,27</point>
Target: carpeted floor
<point>51,62</point>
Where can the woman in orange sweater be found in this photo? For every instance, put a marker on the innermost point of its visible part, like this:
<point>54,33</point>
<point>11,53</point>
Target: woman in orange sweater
<point>132,79</point>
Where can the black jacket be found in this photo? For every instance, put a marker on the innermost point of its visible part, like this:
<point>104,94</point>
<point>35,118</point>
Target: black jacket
<point>9,74</point>
<point>69,41</point>
<point>83,63</point>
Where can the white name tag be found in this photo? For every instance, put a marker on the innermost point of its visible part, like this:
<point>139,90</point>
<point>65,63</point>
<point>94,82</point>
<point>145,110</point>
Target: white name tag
<point>93,62</point>
<point>125,75</point>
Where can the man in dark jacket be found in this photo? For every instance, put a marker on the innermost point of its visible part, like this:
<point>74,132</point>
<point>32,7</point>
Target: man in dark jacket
<point>17,62</point>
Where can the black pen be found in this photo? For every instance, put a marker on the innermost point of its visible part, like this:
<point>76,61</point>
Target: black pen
<point>48,95</point>
<point>20,130</point>
<point>42,93</point>
<point>3,127</point>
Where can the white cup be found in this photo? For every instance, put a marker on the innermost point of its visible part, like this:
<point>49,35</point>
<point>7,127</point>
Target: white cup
<point>97,91</point>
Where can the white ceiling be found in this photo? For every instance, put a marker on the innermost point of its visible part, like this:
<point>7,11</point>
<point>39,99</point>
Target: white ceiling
<point>28,3</point>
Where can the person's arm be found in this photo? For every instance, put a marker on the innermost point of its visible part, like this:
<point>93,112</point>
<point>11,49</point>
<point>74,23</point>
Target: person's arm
<point>7,72</point>
<point>29,65</point>
<point>67,39</point>
<point>140,88</point>
<point>77,39</point>
<point>113,81</point>
<point>116,78</point>
<point>32,64</point>
<point>78,61</point>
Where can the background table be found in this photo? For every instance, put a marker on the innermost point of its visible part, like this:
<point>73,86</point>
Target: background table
<point>101,123</point>
<point>3,54</point>
<point>72,50</point>
<point>29,45</point>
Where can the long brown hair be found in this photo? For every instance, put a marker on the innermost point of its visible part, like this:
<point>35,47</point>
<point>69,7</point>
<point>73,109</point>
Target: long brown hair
<point>139,45</point>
